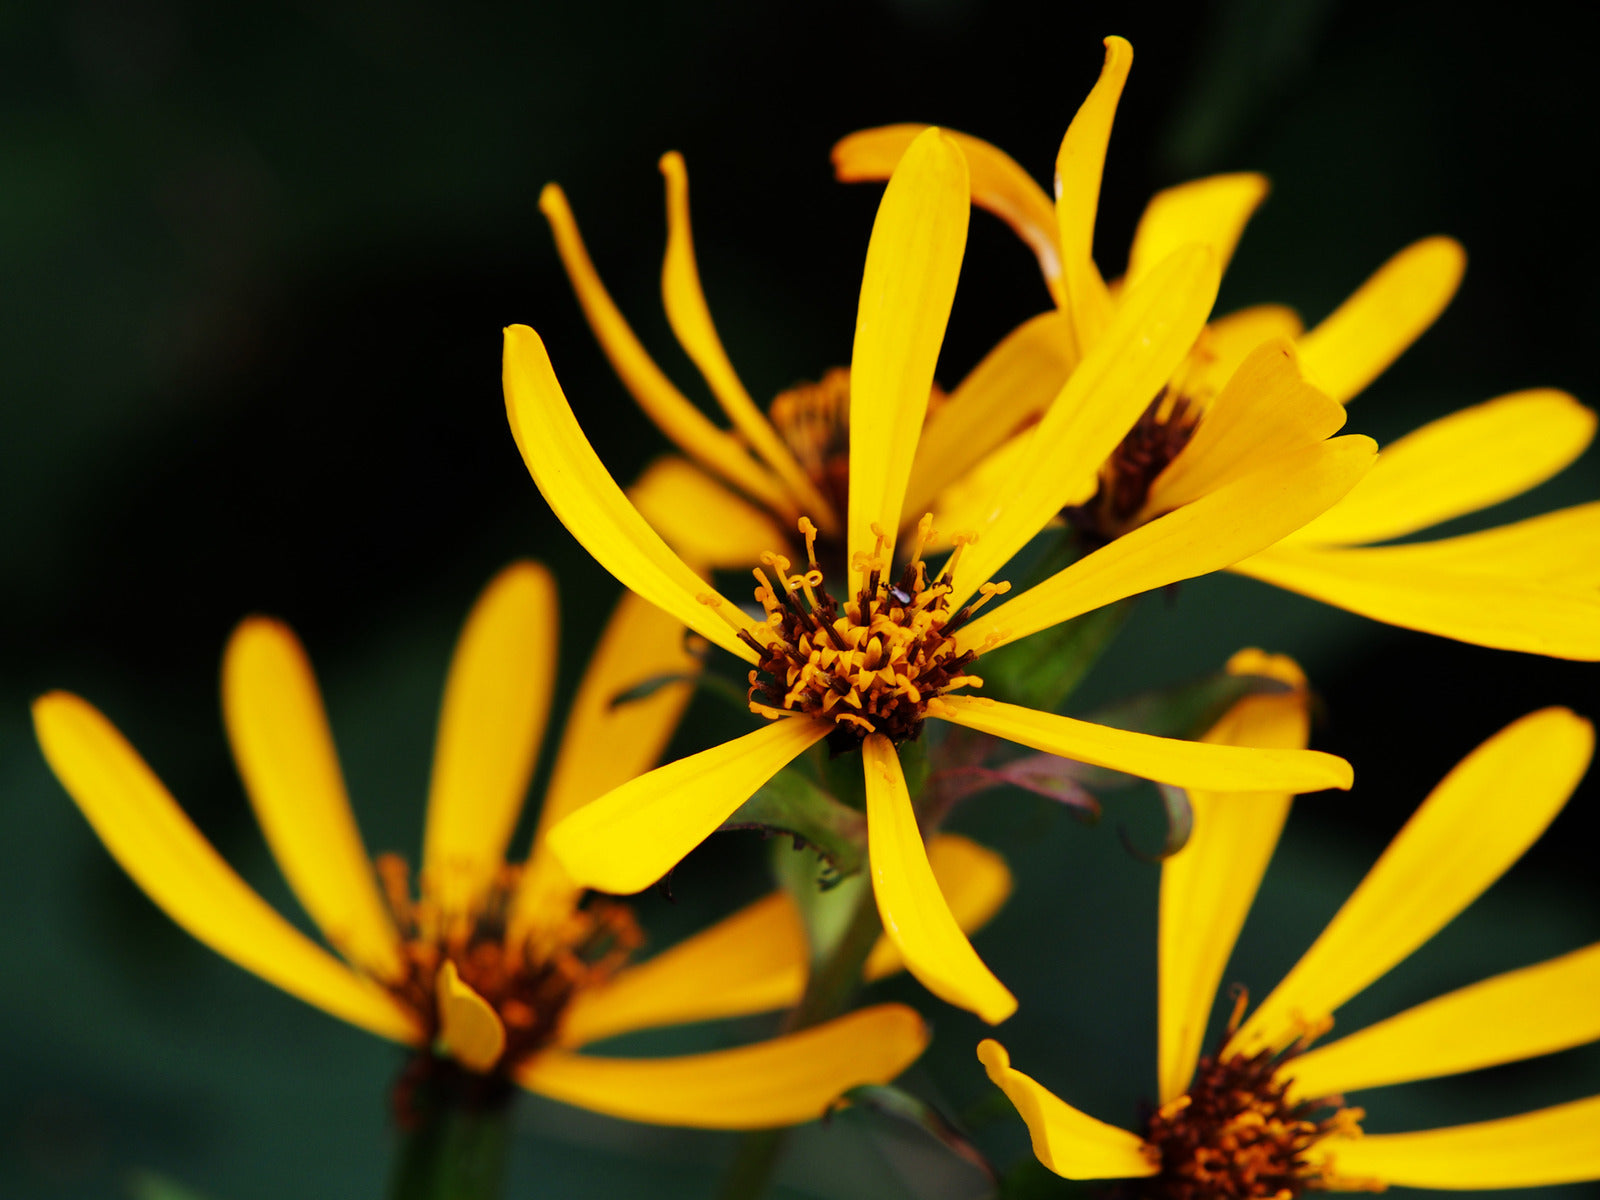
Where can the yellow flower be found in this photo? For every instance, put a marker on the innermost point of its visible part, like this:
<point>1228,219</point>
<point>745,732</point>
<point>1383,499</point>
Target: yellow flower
<point>1267,1114</point>
<point>868,668</point>
<point>1531,586</point>
<point>499,968</point>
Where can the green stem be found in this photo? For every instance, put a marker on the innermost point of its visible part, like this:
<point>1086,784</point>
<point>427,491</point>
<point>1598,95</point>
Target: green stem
<point>454,1134</point>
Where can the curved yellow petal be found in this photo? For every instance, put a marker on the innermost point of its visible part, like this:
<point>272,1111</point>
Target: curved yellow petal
<point>1079,165</point>
<point>1459,464</point>
<point>1015,382</point>
<point>1072,1144</point>
<point>469,1027</point>
<point>974,882</point>
<point>701,520</point>
<point>1212,211</point>
<point>907,288</point>
<point>1470,829</point>
<point>1561,547</point>
<point>1520,1014</point>
<point>751,962</point>
<point>915,914</point>
<point>634,834</point>
<point>1267,409</point>
<point>1392,309</point>
<point>690,318</point>
<point>784,1081</point>
<point>162,851</point>
<point>1552,1145</point>
<point>1213,532</point>
<point>969,502</point>
<point>683,424</point>
<point>1227,341</point>
<point>1207,888</point>
<point>589,503</point>
<point>1153,328</point>
<point>496,700</point>
<point>290,769</point>
<point>1214,768</point>
<point>1397,585</point>
<point>999,185</point>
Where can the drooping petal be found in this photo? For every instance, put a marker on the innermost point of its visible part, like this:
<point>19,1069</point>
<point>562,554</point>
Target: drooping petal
<point>1214,768</point>
<point>974,882</point>
<point>589,503</point>
<point>1470,829</point>
<point>784,1081</point>
<point>1561,547</point>
<point>1552,1145</point>
<point>690,318</point>
<point>1211,533</point>
<point>915,914</point>
<point>152,840</point>
<point>490,725</point>
<point>700,519</point>
<point>1399,586</point>
<point>1521,1014</point>
<point>683,424</point>
<point>634,834</point>
<point>1207,889</point>
<point>907,288</point>
<point>469,1027</point>
<point>290,769</point>
<point>1071,1143</point>
<point>1212,211</point>
<point>750,962</point>
<point>1459,464</point>
<point>1392,309</point>
<point>1227,341</point>
<point>1153,328</point>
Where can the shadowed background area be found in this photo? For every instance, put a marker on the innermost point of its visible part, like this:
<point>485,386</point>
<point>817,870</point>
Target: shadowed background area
<point>254,264</point>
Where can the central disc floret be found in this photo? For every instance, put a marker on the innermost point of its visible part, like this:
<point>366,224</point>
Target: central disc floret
<point>872,664</point>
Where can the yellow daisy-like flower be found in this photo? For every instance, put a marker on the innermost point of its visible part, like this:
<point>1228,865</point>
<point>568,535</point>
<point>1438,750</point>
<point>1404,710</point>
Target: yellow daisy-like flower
<point>869,667</point>
<point>1532,586</point>
<point>499,969</point>
<point>1267,1115</point>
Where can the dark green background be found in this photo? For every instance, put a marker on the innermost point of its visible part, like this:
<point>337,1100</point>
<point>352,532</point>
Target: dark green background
<point>254,262</point>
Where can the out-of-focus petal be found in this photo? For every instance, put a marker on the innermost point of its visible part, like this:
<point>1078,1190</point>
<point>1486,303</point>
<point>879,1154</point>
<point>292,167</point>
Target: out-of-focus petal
<point>1212,211</point>
<point>703,521</point>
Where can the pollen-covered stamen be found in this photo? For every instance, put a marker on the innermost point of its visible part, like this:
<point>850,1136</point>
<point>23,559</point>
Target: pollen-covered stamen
<point>1157,437</point>
<point>871,665</point>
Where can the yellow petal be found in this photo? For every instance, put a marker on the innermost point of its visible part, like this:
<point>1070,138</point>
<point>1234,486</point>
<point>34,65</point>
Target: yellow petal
<point>490,725</point>
<point>1552,1145</point>
<point>1397,585</point>
<point>1382,317</point>
<point>1520,1014</point>
<point>750,962</point>
<point>1166,760</point>
<point>690,318</point>
<point>1072,1144</point>
<point>999,185</point>
<point>1459,464</point>
<point>605,745</point>
<point>785,1081</point>
<point>468,1025</point>
<point>176,867</point>
<point>1475,824</point>
<point>1079,165</point>
<point>1212,211</point>
<point>291,772</point>
<point>1207,888</point>
<point>1015,382</point>
<point>702,520</point>
<point>907,287</point>
<point>1229,339</point>
<point>915,914</point>
<point>1206,535</point>
<point>967,504</point>
<point>684,424</point>
<point>974,882</point>
<point>1267,409</point>
<point>590,504</point>
<point>634,834</point>
<point>1153,328</point>
<point>1561,547</point>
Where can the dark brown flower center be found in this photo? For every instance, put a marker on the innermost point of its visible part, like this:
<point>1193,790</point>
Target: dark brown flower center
<point>1157,437</point>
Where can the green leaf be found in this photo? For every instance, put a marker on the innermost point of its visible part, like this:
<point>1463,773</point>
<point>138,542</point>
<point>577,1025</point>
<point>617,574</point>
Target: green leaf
<point>1185,710</point>
<point>704,681</point>
<point>1180,826</point>
<point>900,1105</point>
<point>1041,671</point>
<point>791,804</point>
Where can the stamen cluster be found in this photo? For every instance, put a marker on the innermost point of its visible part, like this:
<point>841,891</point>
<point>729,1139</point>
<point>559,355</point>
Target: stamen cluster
<point>1159,435</point>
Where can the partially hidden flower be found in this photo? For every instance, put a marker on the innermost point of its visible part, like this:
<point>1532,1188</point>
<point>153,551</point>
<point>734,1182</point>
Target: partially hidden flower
<point>1531,586</point>
<point>503,971</point>
<point>1268,1114</point>
<point>867,667</point>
